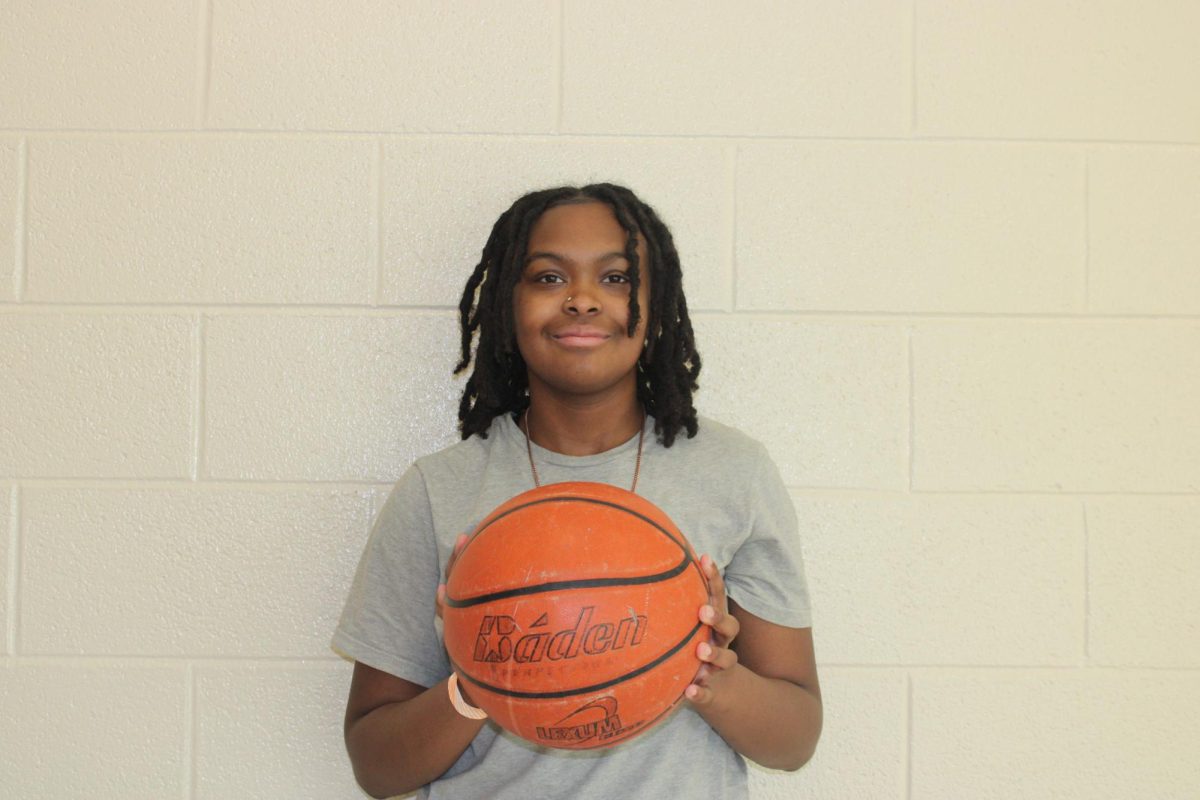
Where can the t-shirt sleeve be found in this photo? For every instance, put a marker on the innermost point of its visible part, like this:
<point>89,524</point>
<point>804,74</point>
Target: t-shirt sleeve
<point>766,573</point>
<point>389,618</point>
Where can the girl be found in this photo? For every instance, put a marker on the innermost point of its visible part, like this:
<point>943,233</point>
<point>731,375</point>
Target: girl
<point>584,345</point>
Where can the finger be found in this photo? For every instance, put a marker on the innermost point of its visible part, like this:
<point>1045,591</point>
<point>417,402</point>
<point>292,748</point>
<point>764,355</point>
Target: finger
<point>716,658</point>
<point>441,599</point>
<point>725,626</point>
<point>716,583</point>
<point>698,695</point>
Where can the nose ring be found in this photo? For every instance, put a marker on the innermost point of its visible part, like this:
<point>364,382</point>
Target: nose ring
<point>569,299</point>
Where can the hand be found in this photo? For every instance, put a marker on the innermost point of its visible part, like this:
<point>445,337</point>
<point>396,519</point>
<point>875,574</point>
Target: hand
<point>441,590</point>
<point>718,659</point>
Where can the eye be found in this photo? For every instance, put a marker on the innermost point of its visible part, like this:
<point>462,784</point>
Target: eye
<point>616,277</point>
<point>548,278</point>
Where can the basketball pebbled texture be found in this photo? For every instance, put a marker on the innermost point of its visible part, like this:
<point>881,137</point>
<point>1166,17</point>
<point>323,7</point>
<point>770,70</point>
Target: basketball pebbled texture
<point>571,615</point>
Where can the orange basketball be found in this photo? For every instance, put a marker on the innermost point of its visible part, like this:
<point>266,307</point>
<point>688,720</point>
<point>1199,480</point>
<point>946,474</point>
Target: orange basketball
<point>571,615</point>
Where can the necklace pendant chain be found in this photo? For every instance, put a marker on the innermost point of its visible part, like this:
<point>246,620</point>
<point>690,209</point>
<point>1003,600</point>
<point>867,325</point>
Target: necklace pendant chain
<point>637,465</point>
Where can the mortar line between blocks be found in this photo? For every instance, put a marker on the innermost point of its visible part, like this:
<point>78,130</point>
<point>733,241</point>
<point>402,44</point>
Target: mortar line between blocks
<point>768,315</point>
<point>912,68</point>
<point>912,412</point>
<point>197,663</point>
<point>190,725</point>
<point>1087,233</point>
<point>732,160</point>
<point>359,484</point>
<point>11,638</point>
<point>261,485</point>
<point>908,736</point>
<point>558,67</point>
<point>1087,595</point>
<point>534,136</point>
<point>377,189</point>
<point>20,223</point>
<point>204,63</point>
<point>199,468</point>
<point>783,316</point>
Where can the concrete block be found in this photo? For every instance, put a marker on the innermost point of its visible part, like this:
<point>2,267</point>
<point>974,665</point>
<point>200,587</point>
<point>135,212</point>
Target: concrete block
<point>909,227</point>
<point>751,69</point>
<point>332,397</point>
<point>1144,230</point>
<point>830,400</point>
<point>862,751</point>
<point>84,730</point>
<point>96,395</point>
<point>1143,596</point>
<point>919,579</point>
<point>1070,734</point>
<point>1118,70</point>
<point>442,196</point>
<point>202,220</point>
<point>106,64</point>
<point>195,572</point>
<point>269,731</point>
<point>1056,406</point>
<point>371,65</point>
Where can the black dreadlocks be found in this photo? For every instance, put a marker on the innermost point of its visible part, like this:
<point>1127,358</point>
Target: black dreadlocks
<point>499,383</point>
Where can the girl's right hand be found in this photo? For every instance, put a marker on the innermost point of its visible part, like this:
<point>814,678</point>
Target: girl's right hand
<point>441,590</point>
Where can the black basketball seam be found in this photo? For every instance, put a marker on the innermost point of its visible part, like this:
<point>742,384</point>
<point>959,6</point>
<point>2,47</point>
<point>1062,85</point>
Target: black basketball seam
<point>588,583</point>
<point>584,689</point>
<point>583,583</point>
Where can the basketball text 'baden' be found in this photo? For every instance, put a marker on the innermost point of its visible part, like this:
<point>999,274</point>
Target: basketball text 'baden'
<point>571,615</point>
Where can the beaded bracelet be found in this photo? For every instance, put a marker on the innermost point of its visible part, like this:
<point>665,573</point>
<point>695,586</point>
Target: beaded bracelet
<point>460,705</point>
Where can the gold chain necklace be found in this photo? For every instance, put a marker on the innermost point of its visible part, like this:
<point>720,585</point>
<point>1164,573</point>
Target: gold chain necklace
<point>637,465</point>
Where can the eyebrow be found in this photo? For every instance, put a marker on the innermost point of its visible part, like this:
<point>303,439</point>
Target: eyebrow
<point>561,258</point>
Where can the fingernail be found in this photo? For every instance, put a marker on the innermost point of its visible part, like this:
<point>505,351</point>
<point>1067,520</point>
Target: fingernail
<point>707,613</point>
<point>705,650</point>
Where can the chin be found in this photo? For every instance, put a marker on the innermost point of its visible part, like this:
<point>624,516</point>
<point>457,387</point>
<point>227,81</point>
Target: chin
<point>588,385</point>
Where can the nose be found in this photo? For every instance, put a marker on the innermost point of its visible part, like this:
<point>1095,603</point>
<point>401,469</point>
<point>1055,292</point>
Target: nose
<point>581,302</point>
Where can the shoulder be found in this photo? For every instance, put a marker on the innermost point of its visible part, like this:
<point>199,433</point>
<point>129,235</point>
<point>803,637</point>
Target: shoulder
<point>463,458</point>
<point>715,440</point>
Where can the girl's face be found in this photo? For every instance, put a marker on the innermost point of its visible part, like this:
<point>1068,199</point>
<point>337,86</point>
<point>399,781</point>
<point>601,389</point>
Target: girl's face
<point>571,304</point>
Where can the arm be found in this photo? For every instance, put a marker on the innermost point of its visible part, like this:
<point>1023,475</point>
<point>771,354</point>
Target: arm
<point>400,736</point>
<point>759,693</point>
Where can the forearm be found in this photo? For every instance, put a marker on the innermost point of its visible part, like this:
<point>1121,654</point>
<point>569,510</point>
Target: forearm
<point>399,747</point>
<point>771,721</point>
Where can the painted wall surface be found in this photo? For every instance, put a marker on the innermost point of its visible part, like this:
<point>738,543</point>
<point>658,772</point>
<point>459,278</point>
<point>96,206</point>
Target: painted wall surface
<point>942,255</point>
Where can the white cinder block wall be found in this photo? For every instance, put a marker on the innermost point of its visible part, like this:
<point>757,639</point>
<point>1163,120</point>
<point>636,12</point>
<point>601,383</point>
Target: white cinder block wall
<point>944,257</point>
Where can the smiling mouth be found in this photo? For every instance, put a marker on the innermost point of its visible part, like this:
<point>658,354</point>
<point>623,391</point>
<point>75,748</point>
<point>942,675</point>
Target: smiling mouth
<point>580,338</point>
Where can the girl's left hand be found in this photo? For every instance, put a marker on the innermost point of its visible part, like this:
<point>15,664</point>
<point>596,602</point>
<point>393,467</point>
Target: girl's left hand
<point>717,657</point>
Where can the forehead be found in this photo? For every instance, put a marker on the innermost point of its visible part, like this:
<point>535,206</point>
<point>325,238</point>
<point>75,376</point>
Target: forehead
<point>579,226</point>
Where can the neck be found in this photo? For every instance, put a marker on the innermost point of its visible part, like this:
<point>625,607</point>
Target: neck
<point>582,427</point>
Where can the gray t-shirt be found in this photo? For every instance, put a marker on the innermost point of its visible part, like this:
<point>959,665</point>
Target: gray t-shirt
<point>720,488</point>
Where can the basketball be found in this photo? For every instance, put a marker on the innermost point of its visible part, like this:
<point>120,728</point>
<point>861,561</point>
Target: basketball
<point>571,615</point>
